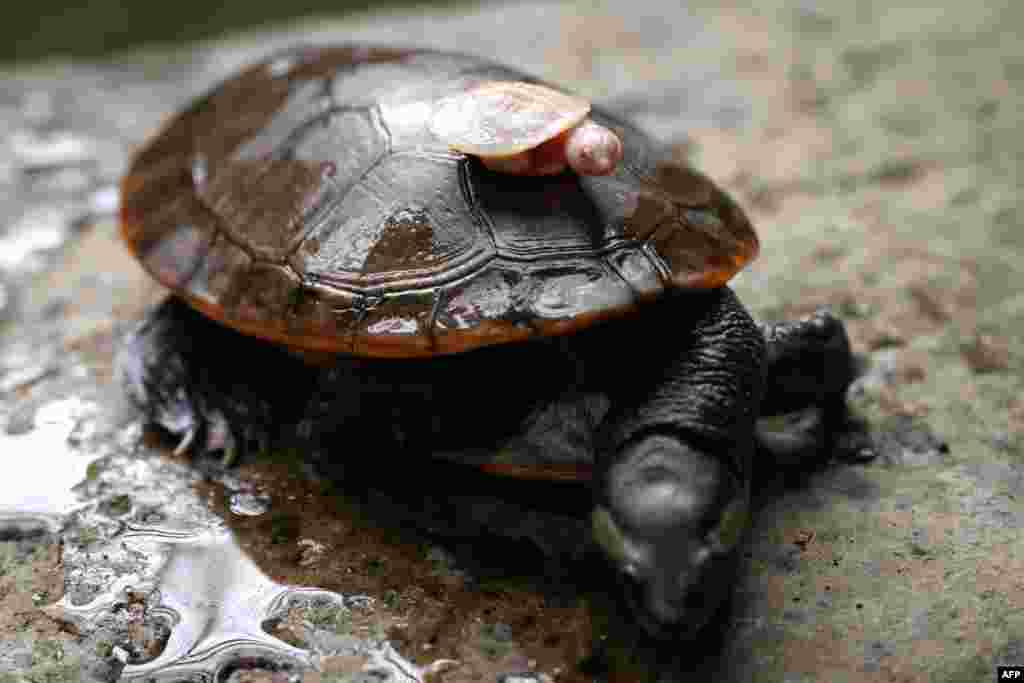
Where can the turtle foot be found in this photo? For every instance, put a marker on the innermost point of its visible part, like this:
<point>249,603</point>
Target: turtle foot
<point>808,362</point>
<point>209,401</point>
<point>808,367</point>
<point>671,526</point>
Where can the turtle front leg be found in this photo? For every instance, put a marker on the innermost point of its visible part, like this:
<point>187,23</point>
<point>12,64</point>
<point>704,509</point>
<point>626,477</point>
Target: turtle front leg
<point>808,368</point>
<point>675,457</point>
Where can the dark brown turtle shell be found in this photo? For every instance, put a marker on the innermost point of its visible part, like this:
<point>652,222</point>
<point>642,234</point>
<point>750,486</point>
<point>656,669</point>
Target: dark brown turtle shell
<point>307,201</point>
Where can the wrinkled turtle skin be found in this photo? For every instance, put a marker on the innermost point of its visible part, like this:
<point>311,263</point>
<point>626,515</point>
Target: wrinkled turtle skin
<point>556,327</point>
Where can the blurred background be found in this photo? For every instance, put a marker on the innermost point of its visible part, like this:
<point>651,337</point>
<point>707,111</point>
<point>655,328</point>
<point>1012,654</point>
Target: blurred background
<point>33,31</point>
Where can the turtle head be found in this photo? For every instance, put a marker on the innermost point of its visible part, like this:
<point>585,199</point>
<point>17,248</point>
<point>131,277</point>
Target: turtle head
<point>672,532</point>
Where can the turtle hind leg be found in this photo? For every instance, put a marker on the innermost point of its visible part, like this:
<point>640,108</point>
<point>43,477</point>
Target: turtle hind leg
<point>211,388</point>
<point>808,368</point>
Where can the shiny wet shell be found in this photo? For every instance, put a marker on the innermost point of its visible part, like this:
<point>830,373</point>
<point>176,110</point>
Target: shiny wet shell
<point>308,201</point>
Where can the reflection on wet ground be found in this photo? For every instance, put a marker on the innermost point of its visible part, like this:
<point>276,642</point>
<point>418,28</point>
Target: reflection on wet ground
<point>23,493</point>
<point>213,607</point>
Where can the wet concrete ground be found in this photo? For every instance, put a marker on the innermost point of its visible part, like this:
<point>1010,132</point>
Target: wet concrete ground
<point>875,148</point>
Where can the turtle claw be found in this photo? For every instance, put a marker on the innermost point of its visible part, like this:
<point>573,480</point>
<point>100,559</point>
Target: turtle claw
<point>185,444</point>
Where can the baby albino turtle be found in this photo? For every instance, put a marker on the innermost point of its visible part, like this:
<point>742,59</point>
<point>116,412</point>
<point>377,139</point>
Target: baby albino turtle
<point>345,269</point>
<point>527,129</point>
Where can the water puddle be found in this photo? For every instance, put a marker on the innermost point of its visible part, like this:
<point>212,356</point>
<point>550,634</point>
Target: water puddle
<point>155,584</point>
<point>45,447</point>
<point>216,606</point>
<point>31,237</point>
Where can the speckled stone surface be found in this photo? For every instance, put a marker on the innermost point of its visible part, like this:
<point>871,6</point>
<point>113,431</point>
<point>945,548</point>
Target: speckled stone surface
<point>877,149</point>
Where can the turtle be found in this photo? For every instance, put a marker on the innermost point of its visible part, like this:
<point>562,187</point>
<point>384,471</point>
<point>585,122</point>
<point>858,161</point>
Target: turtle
<point>399,253</point>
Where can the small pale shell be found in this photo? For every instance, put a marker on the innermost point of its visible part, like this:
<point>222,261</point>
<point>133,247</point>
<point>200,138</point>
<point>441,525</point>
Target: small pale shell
<point>500,118</point>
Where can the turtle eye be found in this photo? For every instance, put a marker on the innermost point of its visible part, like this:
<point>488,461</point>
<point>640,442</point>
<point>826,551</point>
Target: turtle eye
<point>732,524</point>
